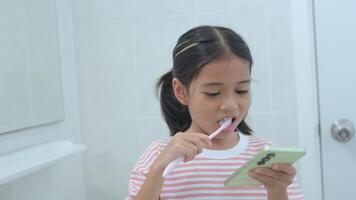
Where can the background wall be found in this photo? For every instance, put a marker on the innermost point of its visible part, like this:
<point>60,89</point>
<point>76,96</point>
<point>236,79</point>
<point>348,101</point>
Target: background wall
<point>64,180</point>
<point>122,47</point>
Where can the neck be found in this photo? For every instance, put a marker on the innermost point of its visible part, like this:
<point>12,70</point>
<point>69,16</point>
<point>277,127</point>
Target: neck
<point>224,142</point>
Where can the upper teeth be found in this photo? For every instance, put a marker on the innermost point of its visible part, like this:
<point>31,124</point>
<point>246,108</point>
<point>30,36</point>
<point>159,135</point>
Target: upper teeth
<point>223,120</point>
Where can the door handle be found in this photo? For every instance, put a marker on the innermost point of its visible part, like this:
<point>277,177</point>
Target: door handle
<point>342,130</point>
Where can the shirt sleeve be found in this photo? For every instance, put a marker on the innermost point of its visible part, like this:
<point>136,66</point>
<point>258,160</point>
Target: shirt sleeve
<point>295,192</point>
<point>142,167</point>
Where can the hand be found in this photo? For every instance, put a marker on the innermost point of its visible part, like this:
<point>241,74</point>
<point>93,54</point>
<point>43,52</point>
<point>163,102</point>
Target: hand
<point>182,144</point>
<point>275,179</point>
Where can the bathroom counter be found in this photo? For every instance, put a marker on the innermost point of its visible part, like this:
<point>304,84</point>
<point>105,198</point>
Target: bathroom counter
<point>23,162</point>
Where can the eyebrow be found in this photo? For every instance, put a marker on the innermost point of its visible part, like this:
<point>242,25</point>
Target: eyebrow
<point>219,84</point>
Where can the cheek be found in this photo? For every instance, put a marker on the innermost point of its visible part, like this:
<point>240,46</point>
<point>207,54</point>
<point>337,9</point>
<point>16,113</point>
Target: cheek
<point>201,108</point>
<point>245,103</point>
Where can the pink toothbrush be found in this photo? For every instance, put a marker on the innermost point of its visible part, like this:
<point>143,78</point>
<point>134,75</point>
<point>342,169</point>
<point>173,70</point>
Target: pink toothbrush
<point>180,159</point>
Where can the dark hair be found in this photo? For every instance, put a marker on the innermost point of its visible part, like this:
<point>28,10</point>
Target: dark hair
<point>196,48</point>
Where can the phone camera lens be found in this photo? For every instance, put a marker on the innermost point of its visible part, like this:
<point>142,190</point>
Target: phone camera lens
<point>261,162</point>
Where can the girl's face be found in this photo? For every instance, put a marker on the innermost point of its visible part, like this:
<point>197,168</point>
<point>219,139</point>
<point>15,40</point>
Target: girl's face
<point>221,90</point>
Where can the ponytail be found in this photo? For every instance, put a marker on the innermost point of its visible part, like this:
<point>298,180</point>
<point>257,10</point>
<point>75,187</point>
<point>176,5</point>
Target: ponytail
<point>175,114</point>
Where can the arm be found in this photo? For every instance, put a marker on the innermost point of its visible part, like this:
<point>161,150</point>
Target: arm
<point>281,195</point>
<point>276,180</point>
<point>188,145</point>
<point>151,188</point>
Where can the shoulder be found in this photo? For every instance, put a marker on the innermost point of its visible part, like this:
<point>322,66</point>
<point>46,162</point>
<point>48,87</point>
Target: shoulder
<point>150,154</point>
<point>155,147</point>
<point>258,143</point>
<point>158,145</point>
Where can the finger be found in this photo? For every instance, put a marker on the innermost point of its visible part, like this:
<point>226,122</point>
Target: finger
<point>196,141</point>
<point>202,137</point>
<point>189,151</point>
<point>286,168</point>
<point>277,175</point>
<point>182,141</point>
<point>268,181</point>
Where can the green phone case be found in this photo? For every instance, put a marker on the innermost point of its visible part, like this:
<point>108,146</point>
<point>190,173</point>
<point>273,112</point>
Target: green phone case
<point>265,158</point>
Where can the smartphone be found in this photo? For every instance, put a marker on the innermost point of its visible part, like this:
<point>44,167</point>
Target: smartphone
<point>265,158</point>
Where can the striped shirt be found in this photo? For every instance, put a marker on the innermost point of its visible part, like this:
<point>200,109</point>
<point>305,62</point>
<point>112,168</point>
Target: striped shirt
<point>203,177</point>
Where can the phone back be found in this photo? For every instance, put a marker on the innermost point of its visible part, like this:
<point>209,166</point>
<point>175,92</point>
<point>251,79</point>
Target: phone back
<point>265,158</point>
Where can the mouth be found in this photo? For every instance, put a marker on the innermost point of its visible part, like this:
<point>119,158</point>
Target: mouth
<point>231,128</point>
<point>233,119</point>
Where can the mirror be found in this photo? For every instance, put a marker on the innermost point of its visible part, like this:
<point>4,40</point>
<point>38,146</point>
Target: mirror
<point>30,76</point>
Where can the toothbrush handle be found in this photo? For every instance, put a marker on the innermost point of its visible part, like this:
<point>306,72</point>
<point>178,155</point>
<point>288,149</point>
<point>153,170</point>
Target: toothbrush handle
<point>211,136</point>
<point>172,165</point>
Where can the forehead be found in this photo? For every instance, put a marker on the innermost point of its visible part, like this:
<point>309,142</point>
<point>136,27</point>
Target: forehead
<point>226,71</point>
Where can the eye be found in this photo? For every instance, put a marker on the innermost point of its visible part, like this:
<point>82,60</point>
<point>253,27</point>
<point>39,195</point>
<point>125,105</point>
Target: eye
<point>241,91</point>
<point>211,94</point>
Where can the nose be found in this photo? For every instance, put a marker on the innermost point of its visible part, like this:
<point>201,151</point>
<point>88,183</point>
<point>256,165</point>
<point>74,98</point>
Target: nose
<point>229,104</point>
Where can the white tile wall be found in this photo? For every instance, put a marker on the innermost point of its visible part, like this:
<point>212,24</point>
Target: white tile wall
<point>161,8</point>
<point>106,72</point>
<point>7,191</point>
<point>39,13</point>
<point>123,47</point>
<point>111,141</point>
<point>12,15</point>
<point>64,180</point>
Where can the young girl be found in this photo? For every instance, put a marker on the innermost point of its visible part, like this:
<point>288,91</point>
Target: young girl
<point>209,82</point>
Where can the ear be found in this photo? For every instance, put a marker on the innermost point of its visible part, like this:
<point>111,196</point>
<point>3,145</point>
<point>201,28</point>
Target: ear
<point>180,91</point>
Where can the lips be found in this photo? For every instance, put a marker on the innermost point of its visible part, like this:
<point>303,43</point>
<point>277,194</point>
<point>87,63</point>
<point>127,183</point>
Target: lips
<point>231,127</point>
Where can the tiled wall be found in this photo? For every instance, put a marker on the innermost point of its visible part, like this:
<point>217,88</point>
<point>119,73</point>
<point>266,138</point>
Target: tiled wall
<point>122,47</point>
<point>64,180</point>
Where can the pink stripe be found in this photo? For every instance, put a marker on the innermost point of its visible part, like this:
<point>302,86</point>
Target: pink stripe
<point>149,160</point>
<point>149,150</point>
<point>175,172</point>
<point>300,198</point>
<point>293,188</point>
<point>242,156</point>
<point>154,147</point>
<point>135,185</point>
<point>220,183</point>
<point>294,193</point>
<point>169,178</point>
<point>206,189</point>
<point>258,140</point>
<point>134,178</point>
<point>142,162</point>
<point>187,183</point>
<point>189,164</point>
<point>215,195</point>
<point>256,147</point>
